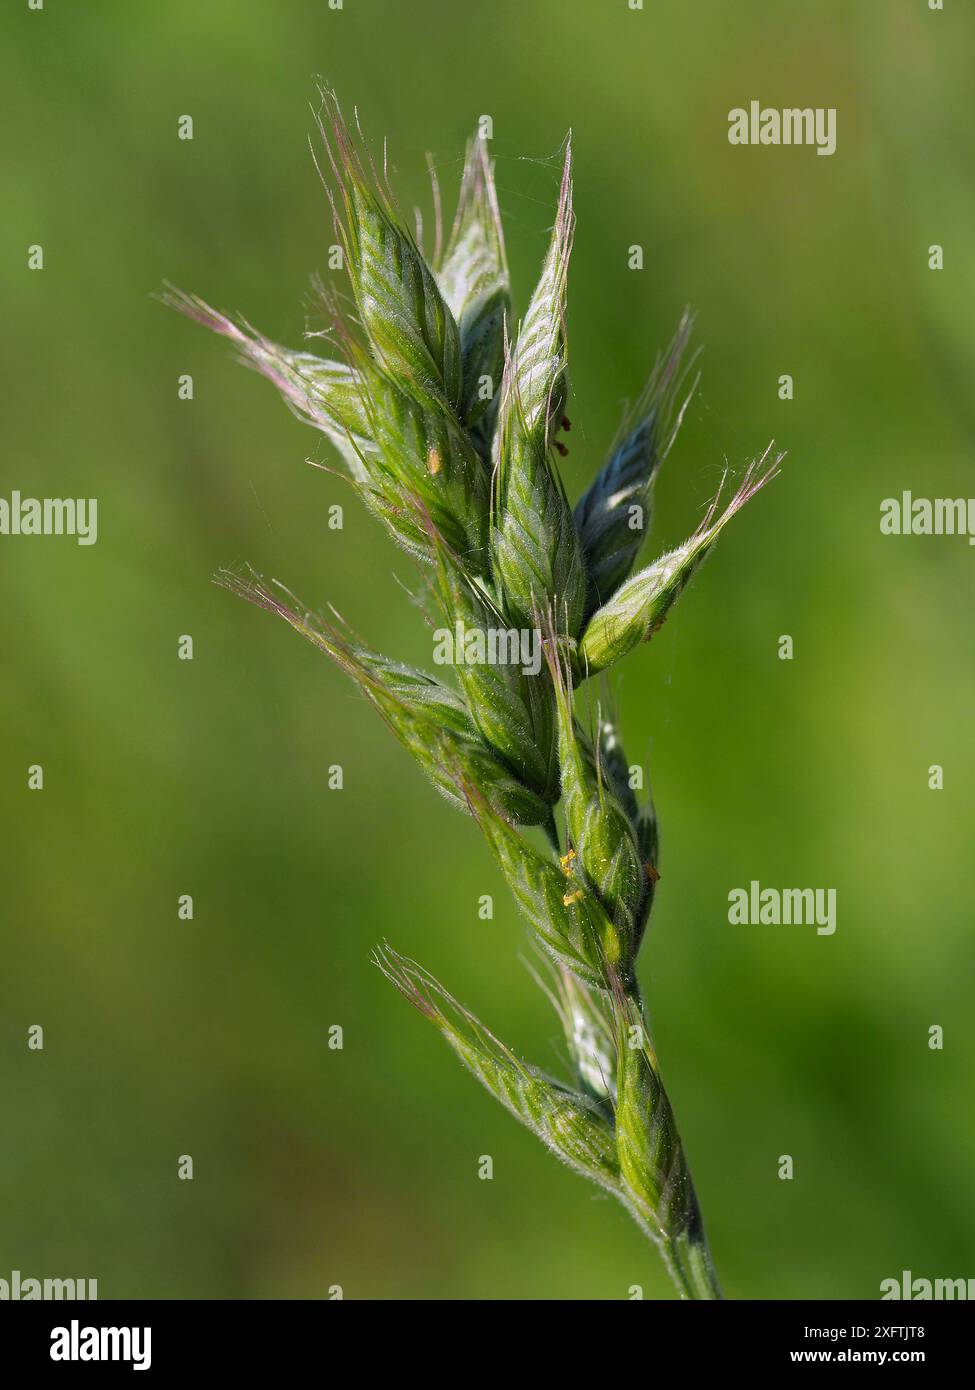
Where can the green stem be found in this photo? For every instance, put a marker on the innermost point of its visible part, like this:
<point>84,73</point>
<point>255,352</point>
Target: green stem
<point>689,1264</point>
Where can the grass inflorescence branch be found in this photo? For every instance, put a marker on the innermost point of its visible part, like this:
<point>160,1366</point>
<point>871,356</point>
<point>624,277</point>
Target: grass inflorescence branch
<point>447,415</point>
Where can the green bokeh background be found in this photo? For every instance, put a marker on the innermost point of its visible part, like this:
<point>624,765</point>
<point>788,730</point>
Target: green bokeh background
<point>359,1168</point>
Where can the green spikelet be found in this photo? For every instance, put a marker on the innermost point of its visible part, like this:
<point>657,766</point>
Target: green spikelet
<point>602,840</point>
<point>429,719</point>
<point>567,1122</point>
<point>475,285</point>
<point>568,919</point>
<point>614,767</point>
<point>412,332</point>
<point>656,1179</point>
<point>512,707</point>
<point>326,394</point>
<point>639,607</point>
<point>537,556</point>
<point>424,453</point>
<point>613,517</point>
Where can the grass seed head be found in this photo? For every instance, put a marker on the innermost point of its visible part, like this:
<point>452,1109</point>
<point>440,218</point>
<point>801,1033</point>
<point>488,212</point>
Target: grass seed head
<point>449,429</point>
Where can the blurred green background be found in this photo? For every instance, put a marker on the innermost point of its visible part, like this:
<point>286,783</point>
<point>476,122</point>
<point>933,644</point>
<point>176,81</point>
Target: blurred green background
<point>209,1038</point>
